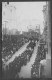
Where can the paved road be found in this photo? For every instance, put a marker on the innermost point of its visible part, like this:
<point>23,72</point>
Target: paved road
<point>26,70</point>
<point>19,52</point>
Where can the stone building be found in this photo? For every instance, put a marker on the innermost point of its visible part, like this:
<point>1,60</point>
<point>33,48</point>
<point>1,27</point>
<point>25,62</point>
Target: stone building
<point>47,26</point>
<point>46,63</point>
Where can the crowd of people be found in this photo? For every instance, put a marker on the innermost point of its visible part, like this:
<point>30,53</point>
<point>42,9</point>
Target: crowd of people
<point>10,45</point>
<point>15,66</point>
<point>41,54</point>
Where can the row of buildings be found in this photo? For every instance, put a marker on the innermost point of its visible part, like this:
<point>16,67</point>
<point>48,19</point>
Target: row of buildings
<point>47,27</point>
<point>30,34</point>
<point>46,63</point>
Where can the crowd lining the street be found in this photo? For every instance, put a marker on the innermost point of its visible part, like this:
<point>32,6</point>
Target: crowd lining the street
<point>10,45</point>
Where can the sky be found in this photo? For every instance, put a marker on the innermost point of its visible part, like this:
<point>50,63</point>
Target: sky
<point>27,15</point>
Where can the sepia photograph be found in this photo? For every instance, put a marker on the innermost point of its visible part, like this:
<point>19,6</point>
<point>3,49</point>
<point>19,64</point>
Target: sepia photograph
<point>26,40</point>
